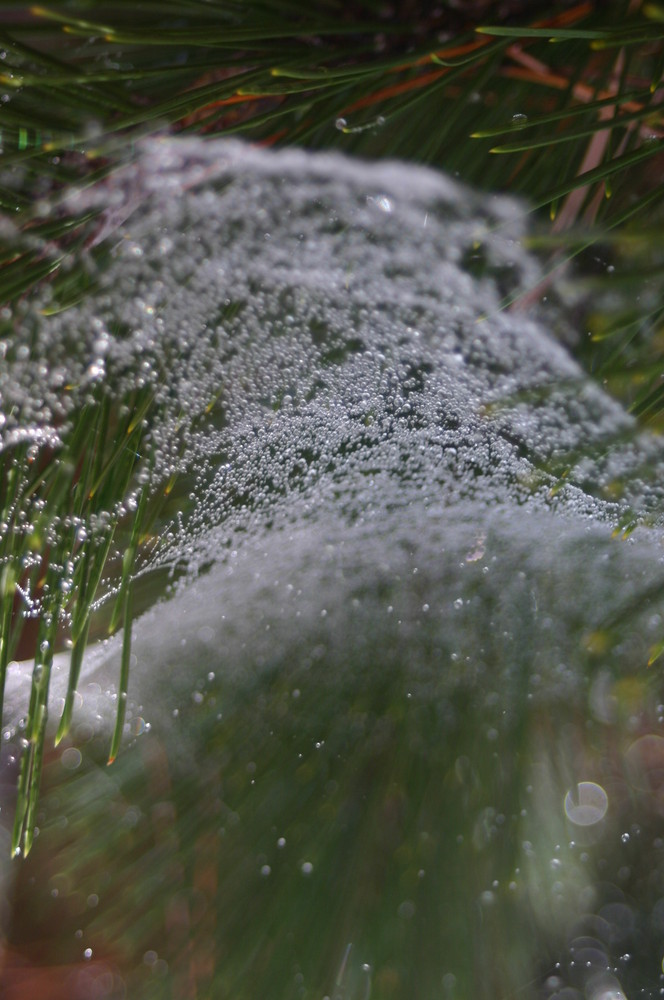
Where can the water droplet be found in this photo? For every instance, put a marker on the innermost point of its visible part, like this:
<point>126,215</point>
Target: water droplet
<point>587,805</point>
<point>137,726</point>
<point>71,758</point>
<point>384,204</point>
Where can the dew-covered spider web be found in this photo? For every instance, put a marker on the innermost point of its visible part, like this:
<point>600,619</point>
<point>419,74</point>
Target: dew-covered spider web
<point>394,621</point>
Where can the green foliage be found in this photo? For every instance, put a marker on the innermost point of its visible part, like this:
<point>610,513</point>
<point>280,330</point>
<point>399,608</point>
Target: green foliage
<point>558,103</point>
